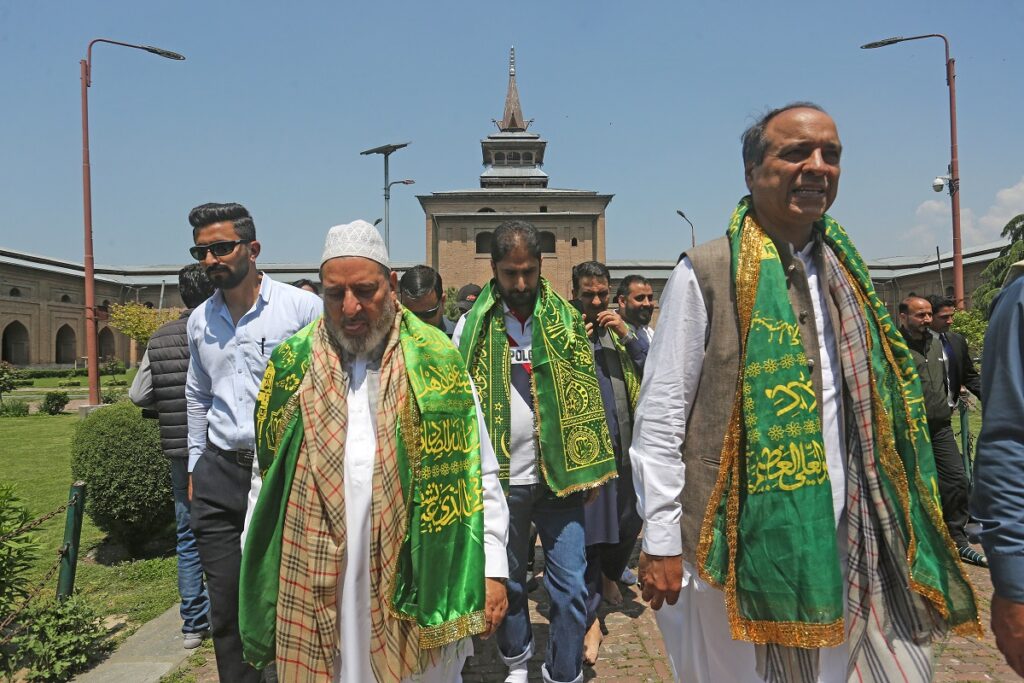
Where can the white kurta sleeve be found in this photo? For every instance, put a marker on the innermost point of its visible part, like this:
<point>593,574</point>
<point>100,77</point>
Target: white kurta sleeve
<point>495,507</point>
<point>255,485</point>
<point>671,376</point>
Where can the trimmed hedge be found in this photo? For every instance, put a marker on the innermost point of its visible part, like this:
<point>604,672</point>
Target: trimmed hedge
<point>24,382</point>
<point>38,373</point>
<point>117,453</point>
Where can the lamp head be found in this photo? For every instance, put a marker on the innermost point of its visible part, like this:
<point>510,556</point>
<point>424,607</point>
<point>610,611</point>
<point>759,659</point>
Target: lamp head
<point>882,43</point>
<point>163,53</point>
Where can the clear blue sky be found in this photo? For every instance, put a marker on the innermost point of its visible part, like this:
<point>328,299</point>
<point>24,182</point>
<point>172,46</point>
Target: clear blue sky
<point>643,100</point>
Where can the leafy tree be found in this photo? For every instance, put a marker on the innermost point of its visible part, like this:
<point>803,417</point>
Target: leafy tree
<point>995,272</point>
<point>138,322</point>
<point>451,304</point>
<point>971,323</point>
<point>8,374</point>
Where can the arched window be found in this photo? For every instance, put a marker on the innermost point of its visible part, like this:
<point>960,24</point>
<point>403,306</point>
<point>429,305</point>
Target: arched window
<point>514,158</point>
<point>15,344</point>
<point>527,157</point>
<point>575,242</point>
<point>499,158</point>
<point>547,242</point>
<point>15,291</point>
<point>483,242</point>
<point>65,299</point>
<point>65,346</point>
<point>108,348</point>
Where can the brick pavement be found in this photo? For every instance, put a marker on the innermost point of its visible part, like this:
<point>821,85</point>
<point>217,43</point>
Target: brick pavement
<point>633,652</point>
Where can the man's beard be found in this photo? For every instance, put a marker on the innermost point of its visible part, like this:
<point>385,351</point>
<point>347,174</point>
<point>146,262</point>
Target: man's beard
<point>518,300</point>
<point>377,333</point>
<point>224,277</point>
<point>642,316</point>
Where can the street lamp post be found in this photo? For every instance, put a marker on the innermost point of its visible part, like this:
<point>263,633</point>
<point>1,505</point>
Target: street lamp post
<point>693,234</point>
<point>92,361</point>
<point>954,164</point>
<point>387,151</point>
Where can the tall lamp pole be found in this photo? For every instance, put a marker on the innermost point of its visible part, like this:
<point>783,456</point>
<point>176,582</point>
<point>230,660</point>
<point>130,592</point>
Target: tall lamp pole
<point>693,234</point>
<point>954,164</point>
<point>93,362</point>
<point>387,151</point>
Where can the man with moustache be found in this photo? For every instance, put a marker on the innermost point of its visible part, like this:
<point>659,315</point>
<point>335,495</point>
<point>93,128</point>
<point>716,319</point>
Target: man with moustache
<point>612,521</point>
<point>787,483</point>
<point>635,298</point>
<point>230,338</point>
<point>377,546</point>
<point>932,366</point>
<point>527,350</point>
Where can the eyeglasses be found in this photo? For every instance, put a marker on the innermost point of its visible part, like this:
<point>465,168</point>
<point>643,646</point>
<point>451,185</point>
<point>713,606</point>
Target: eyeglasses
<point>429,313</point>
<point>218,249</point>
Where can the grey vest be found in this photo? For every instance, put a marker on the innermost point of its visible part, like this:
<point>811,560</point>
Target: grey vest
<point>716,390</point>
<point>168,363</point>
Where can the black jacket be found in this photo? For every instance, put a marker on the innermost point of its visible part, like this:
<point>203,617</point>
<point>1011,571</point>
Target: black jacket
<point>962,372</point>
<point>168,364</point>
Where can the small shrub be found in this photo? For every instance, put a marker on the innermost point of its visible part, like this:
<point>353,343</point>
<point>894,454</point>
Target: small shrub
<point>16,554</point>
<point>54,402</point>
<point>117,453</point>
<point>8,375</point>
<point>59,640</point>
<point>110,396</point>
<point>117,383</point>
<point>70,383</point>
<point>24,382</point>
<point>14,407</point>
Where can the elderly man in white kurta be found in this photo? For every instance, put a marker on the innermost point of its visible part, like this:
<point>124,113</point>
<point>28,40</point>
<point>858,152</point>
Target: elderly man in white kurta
<point>781,464</point>
<point>376,547</point>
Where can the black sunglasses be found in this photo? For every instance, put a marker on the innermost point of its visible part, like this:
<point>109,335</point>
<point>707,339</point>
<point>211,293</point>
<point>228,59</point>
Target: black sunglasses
<point>218,249</point>
<point>423,315</point>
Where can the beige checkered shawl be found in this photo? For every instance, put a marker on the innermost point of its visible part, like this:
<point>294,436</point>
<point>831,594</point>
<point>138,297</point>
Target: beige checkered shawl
<point>313,547</point>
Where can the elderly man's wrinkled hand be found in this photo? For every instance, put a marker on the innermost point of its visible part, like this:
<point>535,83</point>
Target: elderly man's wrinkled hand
<point>496,604</point>
<point>1008,627</point>
<point>661,579</point>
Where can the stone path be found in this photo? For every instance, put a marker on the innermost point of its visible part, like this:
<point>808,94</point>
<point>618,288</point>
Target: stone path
<point>632,650</point>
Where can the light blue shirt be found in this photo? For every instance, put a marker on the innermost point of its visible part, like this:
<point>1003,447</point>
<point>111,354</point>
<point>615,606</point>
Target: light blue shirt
<point>227,362</point>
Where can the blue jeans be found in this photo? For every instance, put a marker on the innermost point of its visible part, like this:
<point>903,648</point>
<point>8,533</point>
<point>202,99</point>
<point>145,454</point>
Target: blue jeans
<point>559,523</point>
<point>195,604</point>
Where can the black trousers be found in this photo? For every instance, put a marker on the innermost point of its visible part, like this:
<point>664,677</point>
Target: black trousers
<point>220,490</point>
<point>954,489</point>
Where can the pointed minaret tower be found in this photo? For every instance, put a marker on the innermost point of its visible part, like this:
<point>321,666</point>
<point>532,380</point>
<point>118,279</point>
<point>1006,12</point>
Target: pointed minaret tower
<point>513,157</point>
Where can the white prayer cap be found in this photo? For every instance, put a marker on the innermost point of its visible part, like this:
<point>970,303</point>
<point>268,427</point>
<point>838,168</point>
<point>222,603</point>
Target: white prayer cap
<point>357,238</point>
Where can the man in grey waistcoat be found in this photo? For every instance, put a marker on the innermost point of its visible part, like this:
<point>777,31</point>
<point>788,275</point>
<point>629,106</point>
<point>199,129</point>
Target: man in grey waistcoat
<point>779,452</point>
<point>160,384</point>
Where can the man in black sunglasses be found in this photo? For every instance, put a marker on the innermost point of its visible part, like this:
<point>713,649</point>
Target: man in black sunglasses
<point>423,294</point>
<point>230,338</point>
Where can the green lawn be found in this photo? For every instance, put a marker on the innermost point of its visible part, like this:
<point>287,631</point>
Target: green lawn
<point>35,455</point>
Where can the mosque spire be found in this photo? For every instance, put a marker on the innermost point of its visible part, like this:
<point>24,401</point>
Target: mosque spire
<point>512,121</point>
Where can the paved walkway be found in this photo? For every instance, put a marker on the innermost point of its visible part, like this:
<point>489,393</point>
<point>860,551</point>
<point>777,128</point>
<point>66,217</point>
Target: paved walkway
<point>632,650</point>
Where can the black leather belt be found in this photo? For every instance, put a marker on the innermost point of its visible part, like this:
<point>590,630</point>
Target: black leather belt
<point>240,458</point>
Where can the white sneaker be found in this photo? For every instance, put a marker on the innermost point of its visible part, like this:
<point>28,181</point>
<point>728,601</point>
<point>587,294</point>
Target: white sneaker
<point>191,641</point>
<point>517,674</point>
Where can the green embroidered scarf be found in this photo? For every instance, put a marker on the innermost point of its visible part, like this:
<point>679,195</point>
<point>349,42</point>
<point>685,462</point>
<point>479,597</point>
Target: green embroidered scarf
<point>768,537</point>
<point>438,462</point>
<point>573,445</point>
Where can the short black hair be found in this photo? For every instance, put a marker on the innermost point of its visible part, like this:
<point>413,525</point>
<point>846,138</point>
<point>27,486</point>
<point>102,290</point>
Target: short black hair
<point>510,233</point>
<point>305,282</point>
<point>419,280</point>
<point>937,301</point>
<point>589,269</point>
<point>194,286</point>
<point>208,214</point>
<point>754,141</point>
<point>628,282</point>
